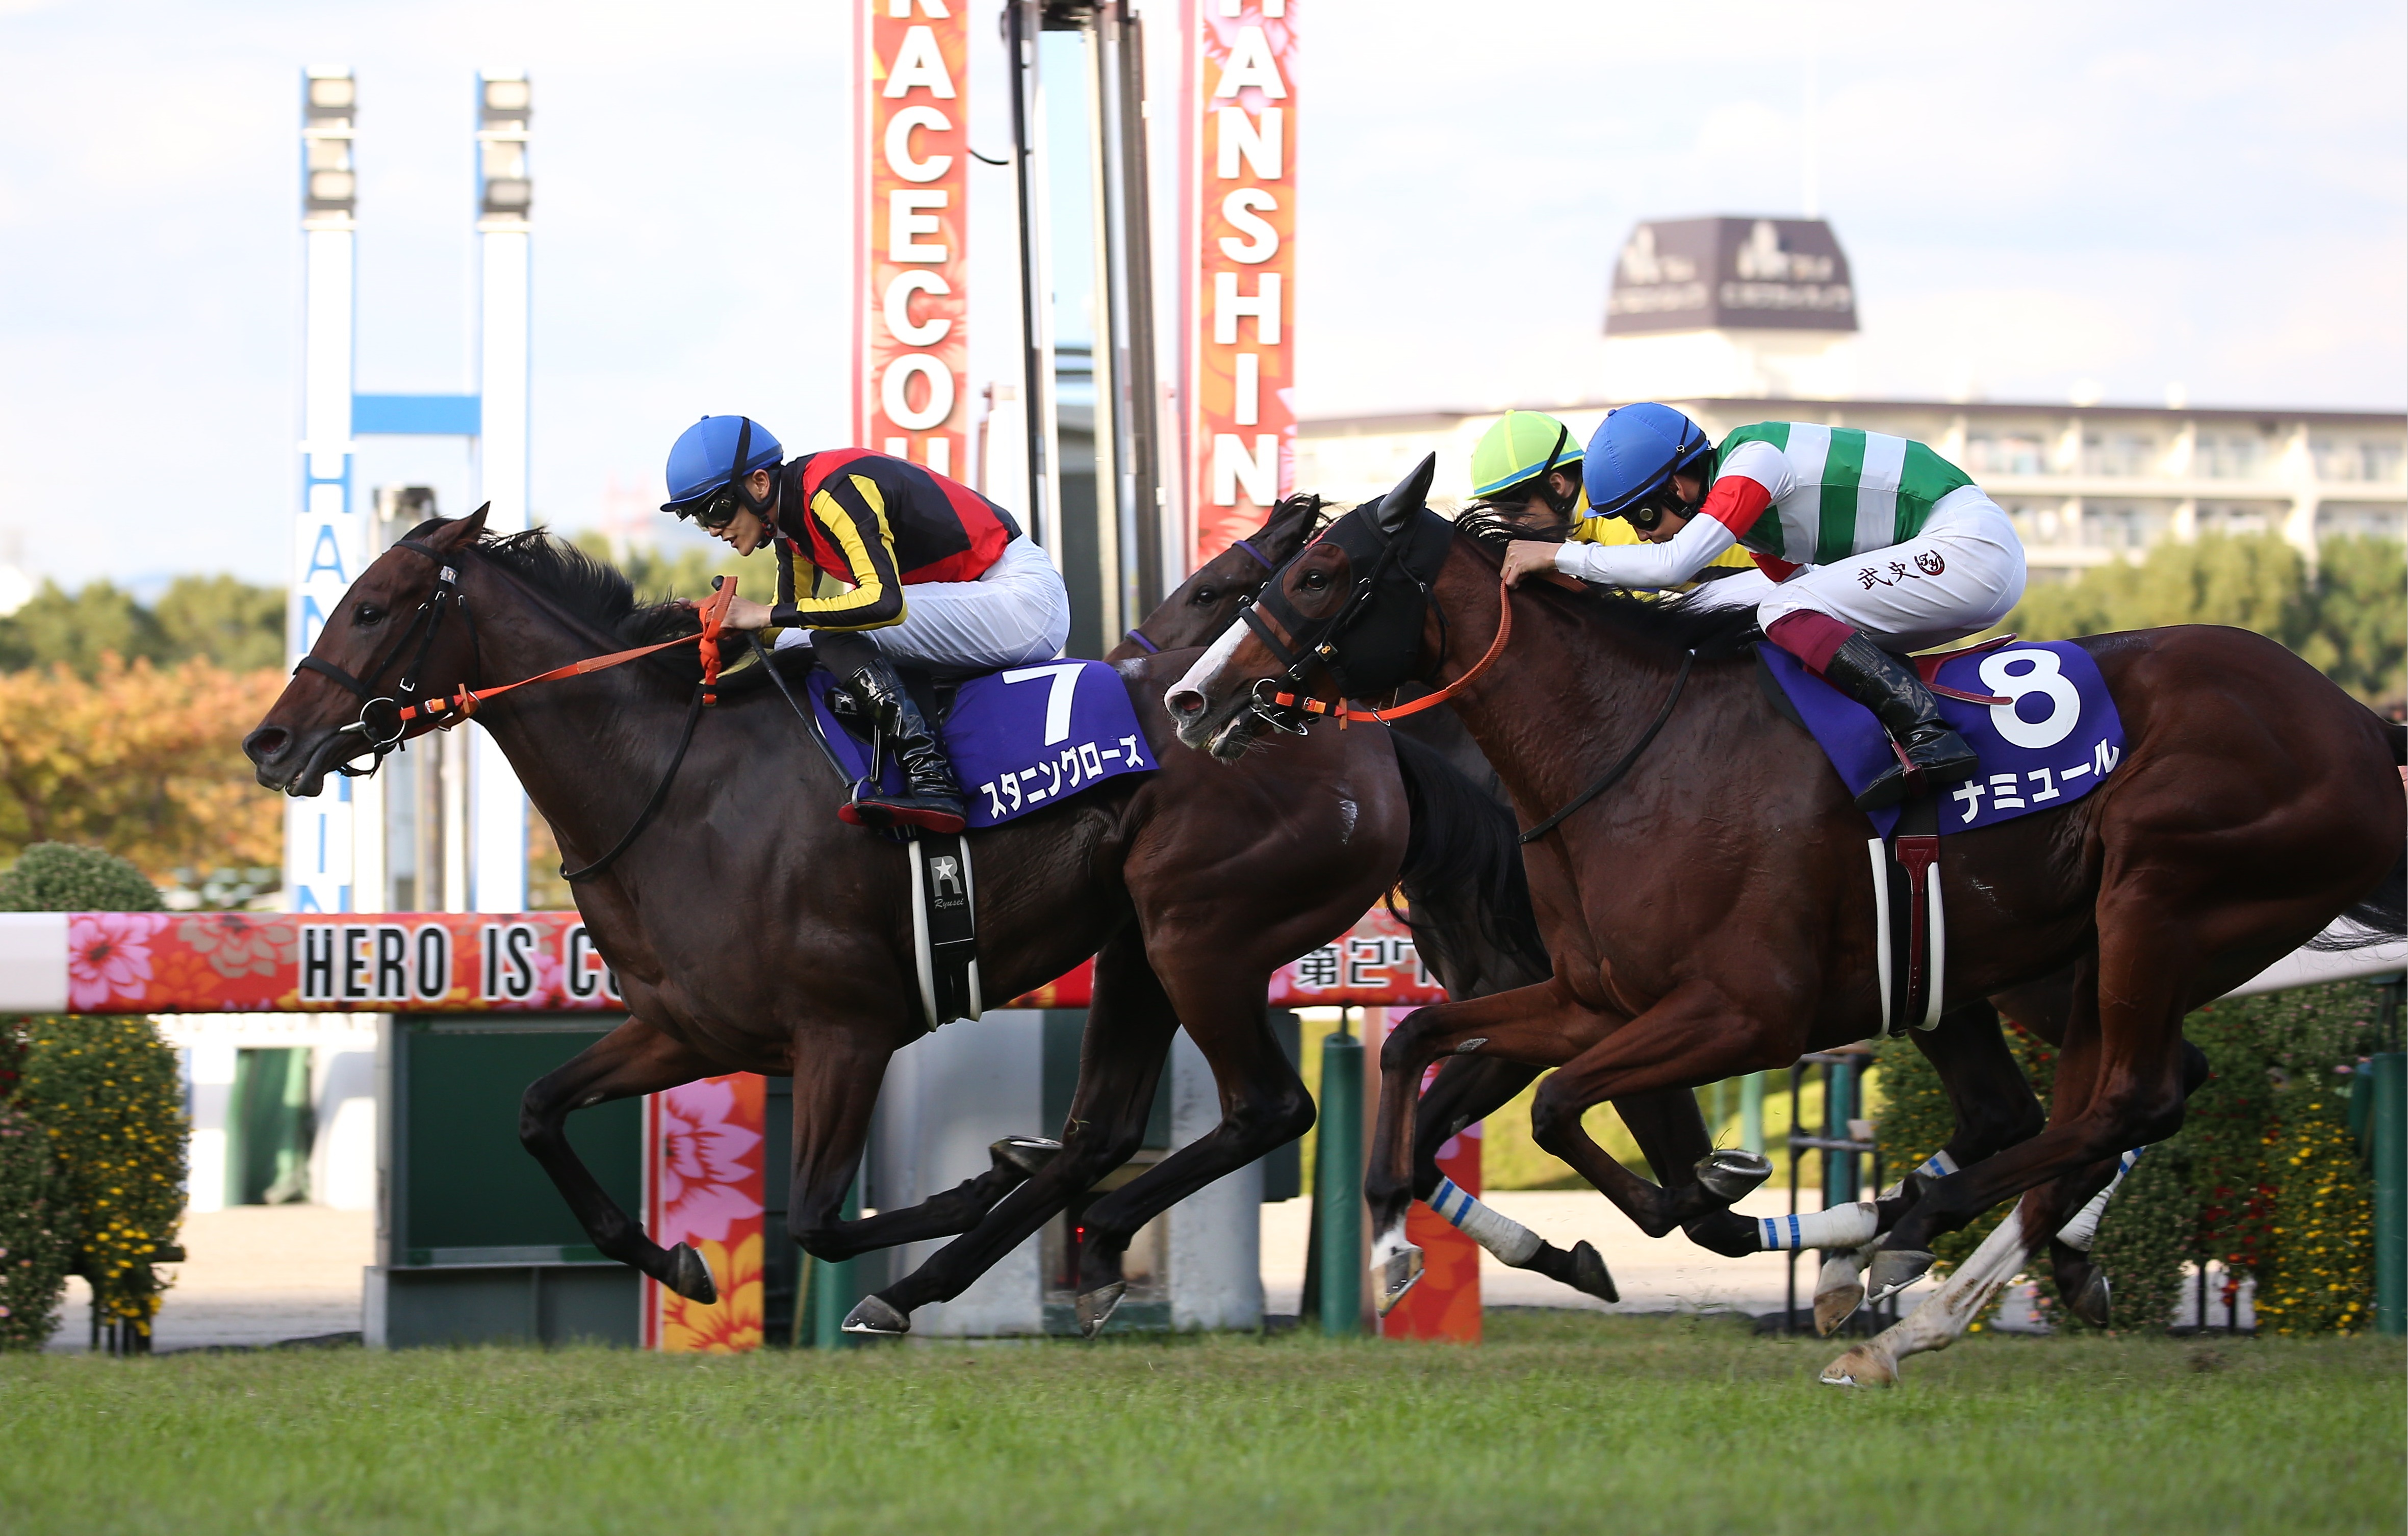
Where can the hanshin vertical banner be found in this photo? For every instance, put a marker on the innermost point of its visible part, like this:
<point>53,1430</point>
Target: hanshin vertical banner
<point>1240,279</point>
<point>911,291</point>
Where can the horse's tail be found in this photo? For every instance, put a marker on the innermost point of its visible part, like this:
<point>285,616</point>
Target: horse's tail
<point>1469,902</point>
<point>2383,915</point>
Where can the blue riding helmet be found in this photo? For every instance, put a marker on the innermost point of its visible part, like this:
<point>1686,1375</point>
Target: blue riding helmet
<point>1634,455</point>
<point>713,452</point>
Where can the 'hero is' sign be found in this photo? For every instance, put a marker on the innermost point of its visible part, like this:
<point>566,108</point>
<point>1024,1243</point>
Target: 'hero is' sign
<point>1240,281</point>
<point>911,293</point>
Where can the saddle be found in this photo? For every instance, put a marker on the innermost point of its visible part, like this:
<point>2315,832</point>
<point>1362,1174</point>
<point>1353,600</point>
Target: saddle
<point>1909,915</point>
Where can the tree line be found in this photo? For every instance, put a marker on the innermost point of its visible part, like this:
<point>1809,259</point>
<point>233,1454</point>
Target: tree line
<point>2347,618</point>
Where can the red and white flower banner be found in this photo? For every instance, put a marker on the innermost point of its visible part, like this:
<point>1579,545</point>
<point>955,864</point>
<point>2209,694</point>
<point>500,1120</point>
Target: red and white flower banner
<point>220,962</point>
<point>705,1172</point>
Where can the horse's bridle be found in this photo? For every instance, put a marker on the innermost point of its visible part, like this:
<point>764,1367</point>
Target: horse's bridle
<point>1407,559</point>
<point>381,723</point>
<point>1270,570</point>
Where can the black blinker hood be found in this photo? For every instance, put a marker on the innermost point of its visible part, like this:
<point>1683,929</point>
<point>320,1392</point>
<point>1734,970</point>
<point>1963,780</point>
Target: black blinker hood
<point>1393,547</point>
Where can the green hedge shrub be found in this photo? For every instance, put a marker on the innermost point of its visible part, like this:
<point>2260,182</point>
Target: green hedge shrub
<point>2264,1178</point>
<point>63,878</point>
<point>109,1092</point>
<point>36,1247</point>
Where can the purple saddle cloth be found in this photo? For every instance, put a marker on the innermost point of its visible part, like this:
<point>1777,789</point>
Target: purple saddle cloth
<point>2050,746</point>
<point>1020,739</point>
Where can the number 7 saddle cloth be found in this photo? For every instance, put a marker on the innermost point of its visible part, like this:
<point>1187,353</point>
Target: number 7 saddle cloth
<point>1020,740</point>
<point>2054,740</point>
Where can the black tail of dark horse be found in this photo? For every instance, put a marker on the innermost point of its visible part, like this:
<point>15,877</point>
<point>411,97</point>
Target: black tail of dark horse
<point>1469,902</point>
<point>2382,915</point>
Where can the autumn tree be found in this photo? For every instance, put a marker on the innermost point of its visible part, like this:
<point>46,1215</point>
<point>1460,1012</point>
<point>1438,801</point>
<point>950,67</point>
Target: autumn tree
<point>2348,616</point>
<point>144,760</point>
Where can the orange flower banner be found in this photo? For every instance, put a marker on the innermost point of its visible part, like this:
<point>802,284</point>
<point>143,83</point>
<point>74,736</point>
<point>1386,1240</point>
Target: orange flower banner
<point>704,1172</point>
<point>220,962</point>
<point>910,302</point>
<point>1237,231</point>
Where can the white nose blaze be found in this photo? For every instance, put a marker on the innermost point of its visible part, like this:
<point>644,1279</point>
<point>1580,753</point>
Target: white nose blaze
<point>1189,695</point>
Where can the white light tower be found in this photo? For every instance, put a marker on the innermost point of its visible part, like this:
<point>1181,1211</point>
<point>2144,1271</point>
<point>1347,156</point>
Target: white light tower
<point>503,196</point>
<point>330,538</point>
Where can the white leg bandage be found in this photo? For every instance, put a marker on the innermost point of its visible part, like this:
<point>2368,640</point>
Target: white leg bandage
<point>1509,1240</point>
<point>1840,1227</point>
<point>2077,1234</point>
<point>1939,1165</point>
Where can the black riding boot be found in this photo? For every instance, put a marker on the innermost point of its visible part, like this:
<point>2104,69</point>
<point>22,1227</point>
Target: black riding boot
<point>931,797</point>
<point>1935,755</point>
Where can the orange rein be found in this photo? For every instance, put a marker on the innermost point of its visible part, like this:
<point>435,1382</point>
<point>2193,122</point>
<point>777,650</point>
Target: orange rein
<point>464,704</point>
<point>1429,700</point>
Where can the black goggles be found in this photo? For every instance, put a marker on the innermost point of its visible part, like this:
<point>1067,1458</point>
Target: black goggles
<point>715,511</point>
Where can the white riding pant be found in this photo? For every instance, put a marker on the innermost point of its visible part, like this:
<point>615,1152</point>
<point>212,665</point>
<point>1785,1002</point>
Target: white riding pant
<point>1017,613</point>
<point>1958,577</point>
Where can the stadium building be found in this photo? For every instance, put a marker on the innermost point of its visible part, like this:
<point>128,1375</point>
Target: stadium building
<point>1741,319</point>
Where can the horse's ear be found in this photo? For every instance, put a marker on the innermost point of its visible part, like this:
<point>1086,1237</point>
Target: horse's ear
<point>1411,495</point>
<point>461,532</point>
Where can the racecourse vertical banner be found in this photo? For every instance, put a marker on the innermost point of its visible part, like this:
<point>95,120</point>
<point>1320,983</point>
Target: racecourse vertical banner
<point>1240,281</point>
<point>910,348</point>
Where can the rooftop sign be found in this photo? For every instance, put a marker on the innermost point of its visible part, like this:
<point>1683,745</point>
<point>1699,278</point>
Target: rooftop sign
<point>1730,274</point>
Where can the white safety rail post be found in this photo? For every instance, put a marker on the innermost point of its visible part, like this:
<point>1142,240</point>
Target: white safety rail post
<point>328,537</point>
<point>505,193</point>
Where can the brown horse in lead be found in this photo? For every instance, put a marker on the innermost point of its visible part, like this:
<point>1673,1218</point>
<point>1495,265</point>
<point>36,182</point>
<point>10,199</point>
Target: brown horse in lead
<point>1707,916</point>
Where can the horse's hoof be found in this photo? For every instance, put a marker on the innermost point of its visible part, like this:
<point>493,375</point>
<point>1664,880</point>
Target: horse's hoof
<point>2090,1302</point>
<point>1394,1271</point>
<point>875,1315</point>
<point>689,1276</point>
<point>1893,1270</point>
<point>1590,1276</point>
<point>1731,1173</point>
<point>1029,1154</point>
<point>1864,1366</point>
<point>1838,1292</point>
<point>1096,1307</point>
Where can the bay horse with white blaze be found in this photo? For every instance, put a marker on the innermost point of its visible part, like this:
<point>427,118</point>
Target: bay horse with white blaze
<point>1707,916</point>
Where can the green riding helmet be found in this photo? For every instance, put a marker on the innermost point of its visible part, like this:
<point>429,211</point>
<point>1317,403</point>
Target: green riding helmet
<point>1522,446</point>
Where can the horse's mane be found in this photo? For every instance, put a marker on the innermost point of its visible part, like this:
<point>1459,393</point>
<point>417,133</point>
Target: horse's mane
<point>1673,621</point>
<point>594,590</point>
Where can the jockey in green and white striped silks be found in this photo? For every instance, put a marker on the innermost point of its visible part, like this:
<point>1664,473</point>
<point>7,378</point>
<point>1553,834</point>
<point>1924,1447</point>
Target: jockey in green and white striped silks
<point>1836,491</point>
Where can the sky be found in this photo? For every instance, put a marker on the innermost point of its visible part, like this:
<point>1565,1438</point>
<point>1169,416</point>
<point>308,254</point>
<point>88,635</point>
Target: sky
<point>2032,197</point>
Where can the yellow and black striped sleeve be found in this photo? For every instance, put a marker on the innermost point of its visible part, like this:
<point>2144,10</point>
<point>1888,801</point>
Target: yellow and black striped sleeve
<point>853,508</point>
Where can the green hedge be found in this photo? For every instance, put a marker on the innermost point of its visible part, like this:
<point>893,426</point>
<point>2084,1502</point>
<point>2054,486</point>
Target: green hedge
<point>65,878</point>
<point>34,1240</point>
<point>2264,1178</point>
<point>109,1092</point>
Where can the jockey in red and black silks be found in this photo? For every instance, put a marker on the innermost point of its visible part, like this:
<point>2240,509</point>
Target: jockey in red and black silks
<point>880,524</point>
<point>922,570</point>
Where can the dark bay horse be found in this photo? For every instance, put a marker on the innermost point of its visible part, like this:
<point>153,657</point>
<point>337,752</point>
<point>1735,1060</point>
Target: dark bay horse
<point>1707,916</point>
<point>1479,942</point>
<point>751,931</point>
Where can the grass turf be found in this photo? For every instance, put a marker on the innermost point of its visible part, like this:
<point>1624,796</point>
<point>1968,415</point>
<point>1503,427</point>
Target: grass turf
<point>1561,1422</point>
